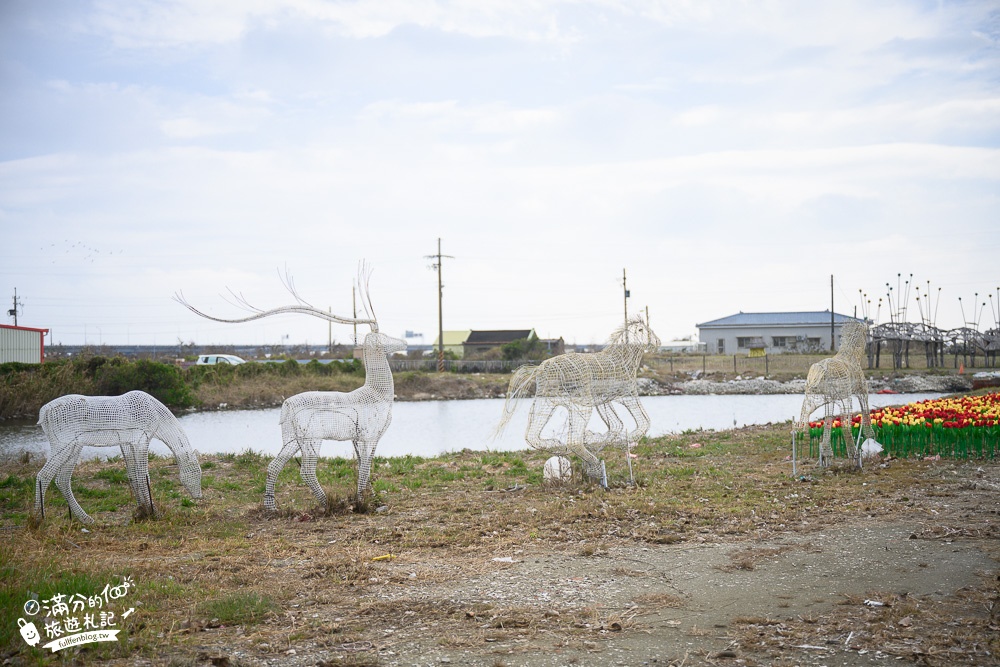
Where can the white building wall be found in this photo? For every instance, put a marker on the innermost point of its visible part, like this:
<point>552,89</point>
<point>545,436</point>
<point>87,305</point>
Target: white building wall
<point>23,345</point>
<point>731,335</point>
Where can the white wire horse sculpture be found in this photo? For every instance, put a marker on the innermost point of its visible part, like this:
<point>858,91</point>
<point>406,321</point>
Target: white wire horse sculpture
<point>360,416</point>
<point>832,384</point>
<point>582,383</point>
<point>129,421</point>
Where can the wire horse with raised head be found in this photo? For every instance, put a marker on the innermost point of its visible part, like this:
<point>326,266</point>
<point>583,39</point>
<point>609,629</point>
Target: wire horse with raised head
<point>582,383</point>
<point>832,384</point>
<point>360,416</point>
<point>129,421</point>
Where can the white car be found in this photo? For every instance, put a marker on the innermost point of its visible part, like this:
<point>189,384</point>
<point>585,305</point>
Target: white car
<point>213,359</point>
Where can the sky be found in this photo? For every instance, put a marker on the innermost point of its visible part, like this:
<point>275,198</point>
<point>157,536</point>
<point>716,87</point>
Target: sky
<point>722,156</point>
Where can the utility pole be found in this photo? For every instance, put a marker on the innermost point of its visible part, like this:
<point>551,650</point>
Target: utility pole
<point>833,341</point>
<point>354,312</point>
<point>13,311</point>
<point>625,300</point>
<point>437,265</point>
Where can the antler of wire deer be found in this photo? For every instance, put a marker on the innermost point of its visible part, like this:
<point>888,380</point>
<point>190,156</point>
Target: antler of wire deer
<point>302,307</point>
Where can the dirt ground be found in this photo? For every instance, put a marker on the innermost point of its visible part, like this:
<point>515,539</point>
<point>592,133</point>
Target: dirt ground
<point>917,587</point>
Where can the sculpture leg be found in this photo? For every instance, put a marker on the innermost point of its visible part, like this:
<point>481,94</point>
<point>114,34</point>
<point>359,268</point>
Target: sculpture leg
<point>64,476</point>
<point>850,445</point>
<point>130,471</point>
<point>616,435</point>
<point>639,415</point>
<point>310,455</point>
<point>641,418</point>
<point>60,455</point>
<point>136,457</point>
<point>365,452</point>
<point>274,469</point>
<point>615,428</point>
<point>825,451</point>
<point>539,415</point>
<point>866,421</point>
<point>578,418</point>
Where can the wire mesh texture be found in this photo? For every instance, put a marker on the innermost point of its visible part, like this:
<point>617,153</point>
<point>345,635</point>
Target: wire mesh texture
<point>581,383</point>
<point>129,421</point>
<point>360,416</point>
<point>832,384</point>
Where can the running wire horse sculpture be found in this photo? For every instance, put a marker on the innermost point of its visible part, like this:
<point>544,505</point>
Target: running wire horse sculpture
<point>582,383</point>
<point>360,416</point>
<point>832,384</point>
<point>129,421</point>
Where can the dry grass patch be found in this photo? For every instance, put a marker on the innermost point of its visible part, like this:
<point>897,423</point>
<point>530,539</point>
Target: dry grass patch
<point>747,559</point>
<point>960,629</point>
<point>314,577</point>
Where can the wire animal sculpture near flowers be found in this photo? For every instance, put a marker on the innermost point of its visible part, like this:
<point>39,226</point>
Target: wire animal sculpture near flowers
<point>129,421</point>
<point>832,384</point>
<point>582,383</point>
<point>360,416</point>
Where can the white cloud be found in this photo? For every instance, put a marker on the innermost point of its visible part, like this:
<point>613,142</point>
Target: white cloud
<point>730,155</point>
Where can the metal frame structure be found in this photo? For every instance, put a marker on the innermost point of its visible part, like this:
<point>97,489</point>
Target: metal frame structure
<point>130,422</point>
<point>360,416</point>
<point>580,384</point>
<point>832,384</point>
<point>898,334</point>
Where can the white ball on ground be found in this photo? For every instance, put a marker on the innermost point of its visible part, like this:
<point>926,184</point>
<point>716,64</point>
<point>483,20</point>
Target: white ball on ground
<point>870,448</point>
<point>557,469</point>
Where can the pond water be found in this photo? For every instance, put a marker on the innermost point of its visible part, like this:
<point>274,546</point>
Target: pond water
<point>429,428</point>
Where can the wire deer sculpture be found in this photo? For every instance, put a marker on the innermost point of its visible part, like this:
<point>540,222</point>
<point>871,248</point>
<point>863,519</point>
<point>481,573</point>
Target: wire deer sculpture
<point>360,416</point>
<point>832,384</point>
<point>128,421</point>
<point>583,383</point>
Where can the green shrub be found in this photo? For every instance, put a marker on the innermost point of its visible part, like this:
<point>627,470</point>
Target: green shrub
<point>290,368</point>
<point>316,368</point>
<point>118,375</point>
<point>348,365</point>
<point>253,370</point>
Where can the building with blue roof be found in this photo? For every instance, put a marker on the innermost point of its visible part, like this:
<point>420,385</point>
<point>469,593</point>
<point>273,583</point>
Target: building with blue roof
<point>743,333</point>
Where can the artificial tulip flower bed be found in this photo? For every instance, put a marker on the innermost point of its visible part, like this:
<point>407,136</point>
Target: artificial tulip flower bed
<point>959,427</point>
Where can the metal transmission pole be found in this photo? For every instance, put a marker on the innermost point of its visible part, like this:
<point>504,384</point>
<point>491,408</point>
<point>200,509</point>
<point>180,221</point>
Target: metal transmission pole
<point>437,265</point>
<point>13,311</point>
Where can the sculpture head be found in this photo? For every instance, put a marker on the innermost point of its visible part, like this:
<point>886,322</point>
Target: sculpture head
<point>383,344</point>
<point>190,468</point>
<point>853,339</point>
<point>635,332</point>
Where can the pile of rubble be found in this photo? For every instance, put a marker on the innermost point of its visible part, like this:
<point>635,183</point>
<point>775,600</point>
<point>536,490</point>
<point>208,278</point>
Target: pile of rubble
<point>909,384</point>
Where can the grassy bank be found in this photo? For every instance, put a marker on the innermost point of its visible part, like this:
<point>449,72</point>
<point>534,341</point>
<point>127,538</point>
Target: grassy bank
<point>217,579</point>
<point>24,388</point>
